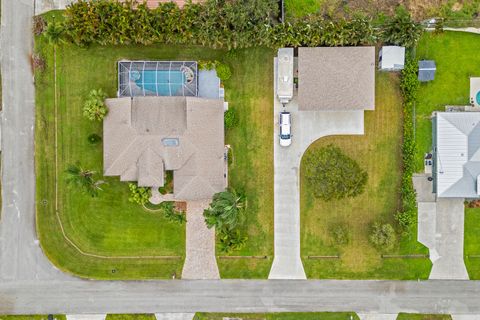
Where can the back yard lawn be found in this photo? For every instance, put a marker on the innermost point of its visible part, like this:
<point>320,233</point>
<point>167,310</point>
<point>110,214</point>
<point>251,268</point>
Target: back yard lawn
<point>457,59</point>
<point>378,151</point>
<point>112,227</point>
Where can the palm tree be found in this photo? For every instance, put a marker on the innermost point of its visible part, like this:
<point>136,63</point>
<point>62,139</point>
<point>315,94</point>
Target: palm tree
<point>54,32</point>
<point>83,179</point>
<point>225,211</point>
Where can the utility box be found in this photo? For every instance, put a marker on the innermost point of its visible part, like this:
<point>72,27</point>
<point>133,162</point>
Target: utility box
<point>285,75</point>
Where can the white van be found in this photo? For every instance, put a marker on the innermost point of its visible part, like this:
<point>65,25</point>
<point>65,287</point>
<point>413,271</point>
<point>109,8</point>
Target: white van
<point>285,129</point>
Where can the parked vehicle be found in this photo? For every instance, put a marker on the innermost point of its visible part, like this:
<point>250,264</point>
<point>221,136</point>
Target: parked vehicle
<point>285,129</point>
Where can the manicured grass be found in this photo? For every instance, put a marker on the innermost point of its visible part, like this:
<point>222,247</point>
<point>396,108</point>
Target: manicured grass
<point>378,151</point>
<point>416,316</point>
<point>32,317</point>
<point>110,225</point>
<point>457,59</point>
<point>301,8</point>
<point>472,242</point>
<point>130,317</point>
<point>280,316</point>
<point>250,92</point>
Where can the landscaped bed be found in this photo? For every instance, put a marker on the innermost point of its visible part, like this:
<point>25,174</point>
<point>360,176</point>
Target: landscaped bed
<point>378,152</point>
<point>112,238</point>
<point>456,57</point>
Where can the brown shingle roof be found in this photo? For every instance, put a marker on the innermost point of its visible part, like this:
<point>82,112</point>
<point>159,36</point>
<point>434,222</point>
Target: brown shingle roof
<point>336,78</point>
<point>134,130</point>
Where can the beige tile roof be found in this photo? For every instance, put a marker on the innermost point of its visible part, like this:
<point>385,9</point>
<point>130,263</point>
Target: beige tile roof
<point>336,78</point>
<point>133,149</point>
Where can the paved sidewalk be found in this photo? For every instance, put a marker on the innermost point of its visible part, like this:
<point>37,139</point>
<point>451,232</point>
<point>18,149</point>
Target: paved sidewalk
<point>200,261</point>
<point>86,316</point>
<point>377,316</point>
<point>307,126</point>
<point>42,6</point>
<point>441,230</point>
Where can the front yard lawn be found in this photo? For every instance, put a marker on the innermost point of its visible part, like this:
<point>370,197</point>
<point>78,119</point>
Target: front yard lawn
<point>109,228</point>
<point>417,316</point>
<point>378,152</point>
<point>457,59</point>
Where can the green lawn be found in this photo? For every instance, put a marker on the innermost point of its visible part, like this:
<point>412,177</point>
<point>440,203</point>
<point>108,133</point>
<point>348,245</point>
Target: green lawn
<point>416,316</point>
<point>457,58</point>
<point>301,8</point>
<point>110,225</point>
<point>32,317</point>
<point>280,316</point>
<point>378,151</point>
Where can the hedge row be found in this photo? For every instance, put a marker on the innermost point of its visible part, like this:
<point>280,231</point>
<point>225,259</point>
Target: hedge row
<point>409,86</point>
<point>224,23</point>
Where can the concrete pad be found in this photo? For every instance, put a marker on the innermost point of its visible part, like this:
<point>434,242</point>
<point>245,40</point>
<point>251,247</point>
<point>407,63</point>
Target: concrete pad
<point>427,223</point>
<point>200,260</point>
<point>174,316</point>
<point>377,316</point>
<point>86,316</point>
<point>423,187</point>
<point>449,237</point>
<point>465,316</point>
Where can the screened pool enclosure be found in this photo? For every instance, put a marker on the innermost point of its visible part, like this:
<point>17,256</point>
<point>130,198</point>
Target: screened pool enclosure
<point>157,78</point>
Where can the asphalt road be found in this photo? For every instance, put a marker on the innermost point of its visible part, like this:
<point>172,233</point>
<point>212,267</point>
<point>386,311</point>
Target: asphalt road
<point>30,285</point>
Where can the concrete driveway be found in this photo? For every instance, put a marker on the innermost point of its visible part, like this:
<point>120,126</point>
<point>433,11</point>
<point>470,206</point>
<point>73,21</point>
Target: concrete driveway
<point>441,230</point>
<point>307,126</point>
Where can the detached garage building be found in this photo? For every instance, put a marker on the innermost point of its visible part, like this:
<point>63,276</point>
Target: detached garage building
<point>336,78</point>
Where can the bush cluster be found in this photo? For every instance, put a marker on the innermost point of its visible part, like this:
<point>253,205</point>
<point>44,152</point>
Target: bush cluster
<point>226,24</point>
<point>409,86</point>
<point>230,118</point>
<point>333,175</point>
<point>138,194</point>
<point>94,108</point>
<point>171,213</point>
<point>383,236</point>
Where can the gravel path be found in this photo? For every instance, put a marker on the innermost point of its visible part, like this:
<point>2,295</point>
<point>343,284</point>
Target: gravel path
<point>200,262</point>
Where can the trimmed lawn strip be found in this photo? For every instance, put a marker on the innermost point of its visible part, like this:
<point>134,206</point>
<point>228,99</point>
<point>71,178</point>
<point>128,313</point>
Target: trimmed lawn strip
<point>457,59</point>
<point>280,316</point>
<point>112,226</point>
<point>32,317</point>
<point>379,153</point>
<point>416,316</point>
<point>301,8</point>
<point>250,93</point>
<point>472,242</point>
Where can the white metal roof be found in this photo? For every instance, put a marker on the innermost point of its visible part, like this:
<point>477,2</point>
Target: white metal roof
<point>285,74</point>
<point>457,153</point>
<point>393,58</point>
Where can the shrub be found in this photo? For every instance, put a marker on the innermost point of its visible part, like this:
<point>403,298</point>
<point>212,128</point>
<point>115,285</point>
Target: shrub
<point>225,211</point>
<point>383,236</point>
<point>401,29</point>
<point>231,240</point>
<point>333,175</point>
<point>230,118</point>
<point>409,85</point>
<point>206,65</point>
<point>138,194</point>
<point>168,209</point>
<point>94,108</point>
<point>94,138</point>
<point>223,71</point>
<point>340,234</point>
<point>38,62</point>
<point>39,25</point>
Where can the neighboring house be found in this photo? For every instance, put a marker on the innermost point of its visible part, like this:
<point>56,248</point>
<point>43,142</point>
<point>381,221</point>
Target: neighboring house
<point>426,70</point>
<point>336,78</point>
<point>456,152</point>
<point>391,58</point>
<point>144,136</point>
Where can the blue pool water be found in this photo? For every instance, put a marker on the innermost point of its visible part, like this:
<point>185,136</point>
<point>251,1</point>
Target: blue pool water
<point>164,82</point>
<point>478,97</point>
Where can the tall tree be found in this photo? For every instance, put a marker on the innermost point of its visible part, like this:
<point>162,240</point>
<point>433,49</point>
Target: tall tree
<point>225,211</point>
<point>83,179</point>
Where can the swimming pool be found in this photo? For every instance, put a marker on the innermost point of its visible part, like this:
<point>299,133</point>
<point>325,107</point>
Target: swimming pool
<point>478,97</point>
<point>161,82</point>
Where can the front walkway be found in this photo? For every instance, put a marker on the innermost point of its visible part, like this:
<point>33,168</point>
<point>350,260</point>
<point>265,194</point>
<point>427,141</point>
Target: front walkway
<point>200,262</point>
<point>307,126</point>
<point>440,229</point>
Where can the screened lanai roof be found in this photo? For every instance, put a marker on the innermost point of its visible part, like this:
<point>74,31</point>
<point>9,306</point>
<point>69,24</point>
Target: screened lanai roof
<point>157,78</point>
